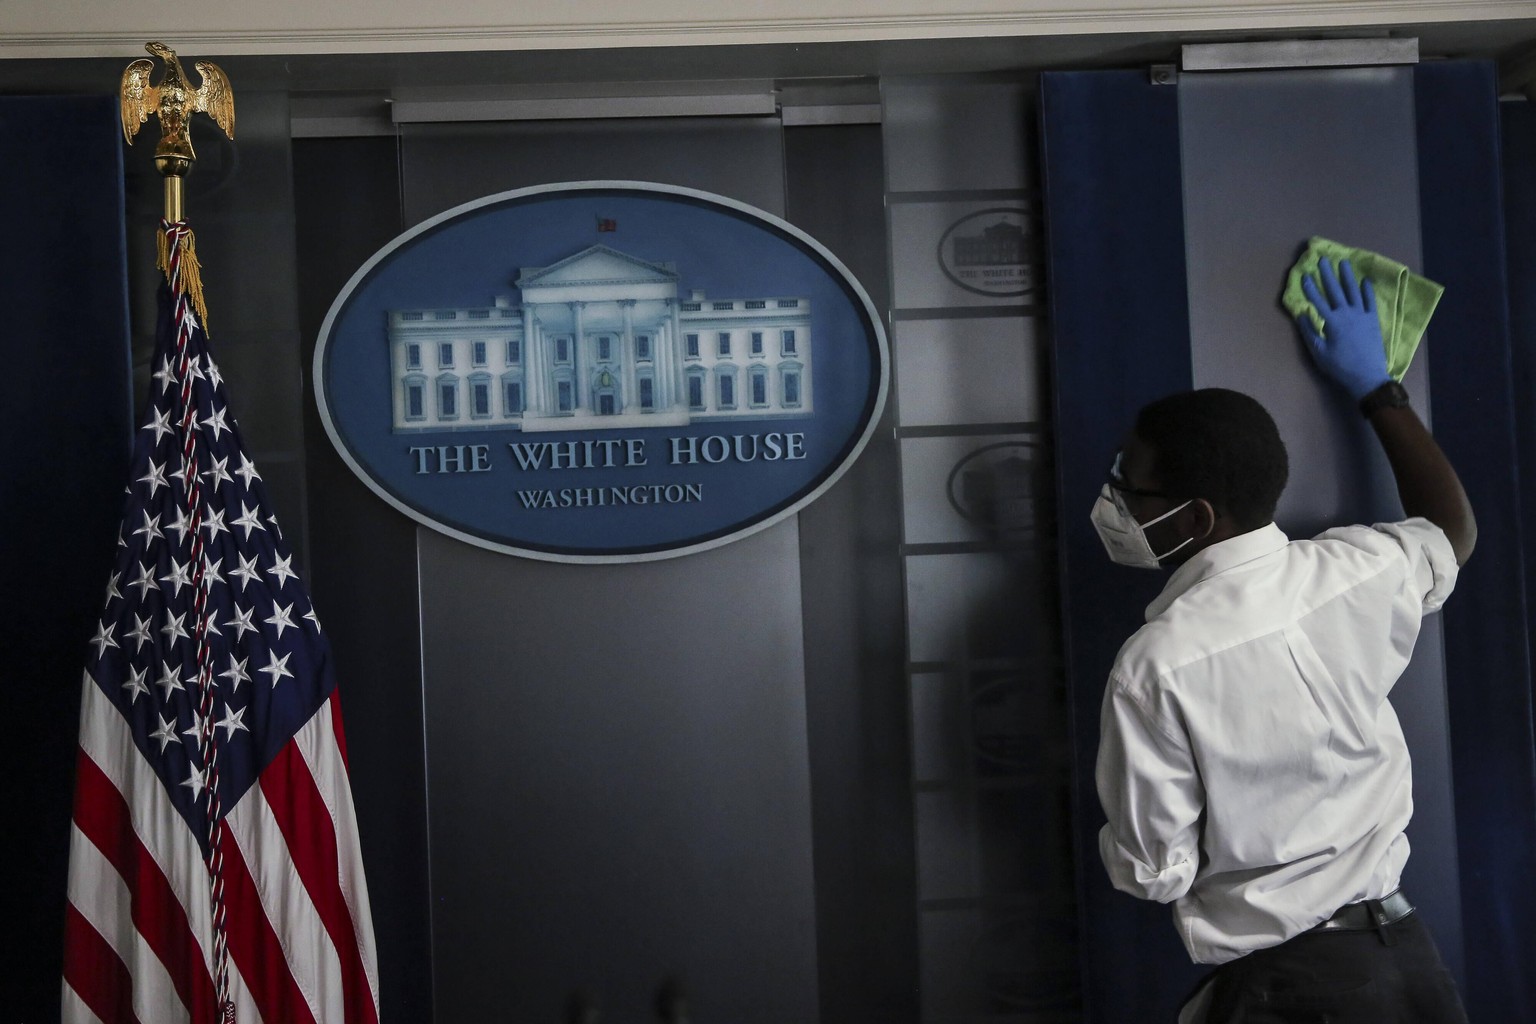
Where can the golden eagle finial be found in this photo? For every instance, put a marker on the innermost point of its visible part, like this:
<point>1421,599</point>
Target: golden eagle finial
<point>175,101</point>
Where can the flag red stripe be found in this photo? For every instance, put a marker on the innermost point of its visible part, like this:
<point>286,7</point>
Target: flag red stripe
<point>103,817</point>
<point>306,824</point>
<point>255,947</point>
<point>94,970</point>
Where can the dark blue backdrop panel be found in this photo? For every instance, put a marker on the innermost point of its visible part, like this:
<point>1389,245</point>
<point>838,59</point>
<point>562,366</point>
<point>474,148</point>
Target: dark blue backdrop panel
<point>65,396</point>
<point>1487,658</point>
<point>1518,121</point>
<point>1119,318</point>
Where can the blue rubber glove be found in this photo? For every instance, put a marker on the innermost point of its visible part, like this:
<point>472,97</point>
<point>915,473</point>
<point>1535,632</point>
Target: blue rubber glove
<point>1350,349</point>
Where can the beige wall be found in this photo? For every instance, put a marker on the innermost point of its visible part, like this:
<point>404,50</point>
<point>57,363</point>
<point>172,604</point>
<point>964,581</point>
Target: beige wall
<point>82,28</point>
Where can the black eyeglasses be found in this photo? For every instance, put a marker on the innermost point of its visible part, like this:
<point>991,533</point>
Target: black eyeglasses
<point>1117,481</point>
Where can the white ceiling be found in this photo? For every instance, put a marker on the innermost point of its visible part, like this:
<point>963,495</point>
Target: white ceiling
<point>546,73</point>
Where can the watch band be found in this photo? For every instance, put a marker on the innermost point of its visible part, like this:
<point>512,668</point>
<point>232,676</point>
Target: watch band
<point>1390,395</point>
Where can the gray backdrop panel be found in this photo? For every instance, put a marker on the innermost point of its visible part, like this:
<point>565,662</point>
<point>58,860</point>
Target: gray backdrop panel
<point>1270,159</point>
<point>618,776</point>
<point>618,782</point>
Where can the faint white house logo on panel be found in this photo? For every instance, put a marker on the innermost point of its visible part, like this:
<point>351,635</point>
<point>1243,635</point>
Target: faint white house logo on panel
<point>600,339</point>
<point>991,252</point>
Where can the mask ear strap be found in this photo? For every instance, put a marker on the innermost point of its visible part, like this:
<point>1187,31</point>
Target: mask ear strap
<point>1165,515</point>
<point>1165,554</point>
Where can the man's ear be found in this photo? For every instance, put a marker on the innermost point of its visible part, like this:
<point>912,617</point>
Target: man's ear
<point>1203,518</point>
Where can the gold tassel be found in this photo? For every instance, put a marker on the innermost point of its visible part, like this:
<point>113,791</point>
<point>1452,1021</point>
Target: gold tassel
<point>191,271</point>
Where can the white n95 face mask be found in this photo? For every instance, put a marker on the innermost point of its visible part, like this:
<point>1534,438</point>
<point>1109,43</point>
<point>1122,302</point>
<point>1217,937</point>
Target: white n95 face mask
<point>1124,538</point>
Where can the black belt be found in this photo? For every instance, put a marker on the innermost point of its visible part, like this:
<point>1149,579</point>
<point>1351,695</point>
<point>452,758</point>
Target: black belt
<point>1369,915</point>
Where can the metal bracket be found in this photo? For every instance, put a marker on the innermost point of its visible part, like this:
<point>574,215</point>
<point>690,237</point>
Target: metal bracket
<point>1164,74</point>
<point>1299,53</point>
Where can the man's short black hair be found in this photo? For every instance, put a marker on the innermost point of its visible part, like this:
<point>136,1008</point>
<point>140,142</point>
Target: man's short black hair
<point>1219,445</point>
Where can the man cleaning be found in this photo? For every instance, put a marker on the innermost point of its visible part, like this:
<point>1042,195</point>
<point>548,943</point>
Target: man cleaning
<point>1251,768</point>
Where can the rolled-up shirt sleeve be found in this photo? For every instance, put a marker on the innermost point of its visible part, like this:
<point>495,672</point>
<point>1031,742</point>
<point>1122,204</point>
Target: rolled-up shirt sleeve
<point>1431,569</point>
<point>1152,795</point>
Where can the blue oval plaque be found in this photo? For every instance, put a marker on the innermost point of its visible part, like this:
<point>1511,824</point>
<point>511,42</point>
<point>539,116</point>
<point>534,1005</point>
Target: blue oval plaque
<point>601,371</point>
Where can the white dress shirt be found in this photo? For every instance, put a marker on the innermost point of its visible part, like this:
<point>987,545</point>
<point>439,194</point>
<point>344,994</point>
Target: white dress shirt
<point>1251,768</point>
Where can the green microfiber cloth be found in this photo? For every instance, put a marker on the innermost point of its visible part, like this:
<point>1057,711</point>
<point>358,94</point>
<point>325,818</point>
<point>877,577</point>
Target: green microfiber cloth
<point>1404,300</point>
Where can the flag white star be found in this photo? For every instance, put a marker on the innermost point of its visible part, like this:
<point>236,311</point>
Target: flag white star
<point>310,615</point>
<point>162,424</point>
<point>197,782</point>
<point>247,571</point>
<point>146,581</point>
<point>194,370</point>
<point>155,477</point>
<point>272,520</point>
<point>278,668</point>
<point>247,471</point>
<point>173,628</point>
<point>103,638</point>
<point>181,525</point>
<point>193,680</point>
<point>151,529</point>
<point>139,632</point>
<point>211,573</point>
<point>120,542</point>
<point>214,377</point>
<point>280,569</point>
<point>195,730</point>
<point>168,680</point>
<point>250,519</point>
<point>165,375</point>
<point>215,422</point>
<point>231,721</point>
<point>242,622</point>
<point>112,590</point>
<point>219,472</point>
<point>135,684</point>
<point>166,733</point>
<point>236,673</point>
<point>279,619</point>
<point>214,524</point>
<point>180,576</point>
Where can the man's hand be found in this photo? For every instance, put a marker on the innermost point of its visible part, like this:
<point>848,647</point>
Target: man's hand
<point>1349,350</point>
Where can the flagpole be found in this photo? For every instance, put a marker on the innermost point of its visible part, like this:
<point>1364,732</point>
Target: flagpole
<point>175,170</point>
<point>173,102</point>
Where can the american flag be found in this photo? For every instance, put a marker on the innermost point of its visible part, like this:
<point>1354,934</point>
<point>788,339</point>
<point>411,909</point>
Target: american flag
<point>214,872</point>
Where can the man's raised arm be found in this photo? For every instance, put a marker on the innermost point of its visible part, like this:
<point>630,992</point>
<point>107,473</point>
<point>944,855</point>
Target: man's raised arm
<point>1349,350</point>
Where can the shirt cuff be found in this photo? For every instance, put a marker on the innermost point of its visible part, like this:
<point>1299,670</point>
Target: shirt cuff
<point>1129,873</point>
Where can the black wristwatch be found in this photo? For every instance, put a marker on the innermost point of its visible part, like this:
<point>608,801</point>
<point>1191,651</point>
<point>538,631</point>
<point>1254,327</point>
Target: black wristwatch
<point>1390,395</point>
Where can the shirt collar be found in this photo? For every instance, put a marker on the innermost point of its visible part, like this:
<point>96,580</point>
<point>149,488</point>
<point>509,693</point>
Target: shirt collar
<point>1217,559</point>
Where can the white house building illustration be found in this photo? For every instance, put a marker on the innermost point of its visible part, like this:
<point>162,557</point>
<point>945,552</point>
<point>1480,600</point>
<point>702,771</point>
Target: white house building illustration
<point>600,339</point>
